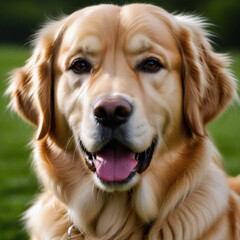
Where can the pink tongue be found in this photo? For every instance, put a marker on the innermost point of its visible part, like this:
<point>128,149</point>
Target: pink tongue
<point>115,163</point>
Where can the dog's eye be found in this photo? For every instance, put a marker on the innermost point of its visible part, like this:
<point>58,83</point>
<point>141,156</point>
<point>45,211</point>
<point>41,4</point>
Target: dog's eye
<point>81,66</point>
<point>149,65</point>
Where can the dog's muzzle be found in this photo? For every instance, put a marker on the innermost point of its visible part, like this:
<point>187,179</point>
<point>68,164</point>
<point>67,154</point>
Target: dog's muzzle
<point>115,162</point>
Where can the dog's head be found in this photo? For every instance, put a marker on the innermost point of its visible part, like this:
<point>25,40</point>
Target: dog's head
<point>121,86</point>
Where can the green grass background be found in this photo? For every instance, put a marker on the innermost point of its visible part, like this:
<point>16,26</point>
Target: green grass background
<point>18,184</point>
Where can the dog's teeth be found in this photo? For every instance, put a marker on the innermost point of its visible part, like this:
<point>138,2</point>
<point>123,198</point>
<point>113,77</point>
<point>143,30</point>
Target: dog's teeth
<point>140,156</point>
<point>91,165</point>
<point>137,156</point>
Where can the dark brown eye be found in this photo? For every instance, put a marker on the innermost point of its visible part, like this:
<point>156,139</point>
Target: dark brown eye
<point>81,66</point>
<point>149,65</point>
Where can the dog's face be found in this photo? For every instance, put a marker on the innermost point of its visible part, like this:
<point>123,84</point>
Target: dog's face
<point>121,86</point>
<point>114,89</point>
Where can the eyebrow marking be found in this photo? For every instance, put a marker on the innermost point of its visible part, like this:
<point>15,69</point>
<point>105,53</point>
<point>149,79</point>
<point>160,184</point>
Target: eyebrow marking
<point>138,45</point>
<point>89,46</point>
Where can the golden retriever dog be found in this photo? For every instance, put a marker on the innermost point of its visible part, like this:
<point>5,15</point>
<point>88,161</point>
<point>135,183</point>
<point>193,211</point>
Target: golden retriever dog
<point>120,97</point>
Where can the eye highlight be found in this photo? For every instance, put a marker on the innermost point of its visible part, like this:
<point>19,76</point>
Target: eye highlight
<point>81,66</point>
<point>149,65</point>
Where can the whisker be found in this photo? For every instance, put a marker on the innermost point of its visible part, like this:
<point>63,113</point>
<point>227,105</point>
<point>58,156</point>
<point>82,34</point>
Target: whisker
<point>68,143</point>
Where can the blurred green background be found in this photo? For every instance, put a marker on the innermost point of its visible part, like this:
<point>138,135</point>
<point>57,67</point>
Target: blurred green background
<point>18,21</point>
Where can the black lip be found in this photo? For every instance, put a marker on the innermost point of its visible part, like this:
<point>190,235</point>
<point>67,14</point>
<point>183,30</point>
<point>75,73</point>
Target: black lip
<point>144,159</point>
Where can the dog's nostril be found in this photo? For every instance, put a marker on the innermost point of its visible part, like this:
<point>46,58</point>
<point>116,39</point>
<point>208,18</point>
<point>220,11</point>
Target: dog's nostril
<point>100,113</point>
<point>111,112</point>
<point>122,112</point>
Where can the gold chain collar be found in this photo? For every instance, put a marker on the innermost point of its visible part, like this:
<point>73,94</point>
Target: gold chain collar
<point>71,231</point>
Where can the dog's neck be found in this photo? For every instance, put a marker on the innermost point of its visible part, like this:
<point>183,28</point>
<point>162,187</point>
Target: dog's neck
<point>74,233</point>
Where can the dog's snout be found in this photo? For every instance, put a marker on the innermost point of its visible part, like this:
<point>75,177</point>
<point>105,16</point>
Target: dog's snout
<point>112,112</point>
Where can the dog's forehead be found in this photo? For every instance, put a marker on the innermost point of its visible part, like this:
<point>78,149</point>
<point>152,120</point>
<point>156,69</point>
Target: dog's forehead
<point>91,27</point>
<point>134,26</point>
<point>146,25</point>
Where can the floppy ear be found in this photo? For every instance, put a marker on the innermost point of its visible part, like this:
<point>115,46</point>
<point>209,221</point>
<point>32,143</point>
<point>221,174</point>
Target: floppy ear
<point>30,86</point>
<point>208,85</point>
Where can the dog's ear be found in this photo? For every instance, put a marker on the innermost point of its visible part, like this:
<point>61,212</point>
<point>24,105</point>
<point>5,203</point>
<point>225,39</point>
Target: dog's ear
<point>30,86</point>
<point>207,83</point>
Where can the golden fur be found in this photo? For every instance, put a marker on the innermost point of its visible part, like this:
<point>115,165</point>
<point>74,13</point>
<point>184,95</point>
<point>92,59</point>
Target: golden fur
<point>184,193</point>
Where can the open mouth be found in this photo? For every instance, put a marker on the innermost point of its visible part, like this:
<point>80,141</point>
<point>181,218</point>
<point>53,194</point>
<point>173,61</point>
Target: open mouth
<point>115,163</point>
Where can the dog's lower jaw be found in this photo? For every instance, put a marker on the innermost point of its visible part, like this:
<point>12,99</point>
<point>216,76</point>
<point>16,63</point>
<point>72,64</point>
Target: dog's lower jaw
<point>112,187</point>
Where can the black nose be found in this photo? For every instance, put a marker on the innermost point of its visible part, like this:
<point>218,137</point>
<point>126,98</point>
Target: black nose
<point>112,112</point>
